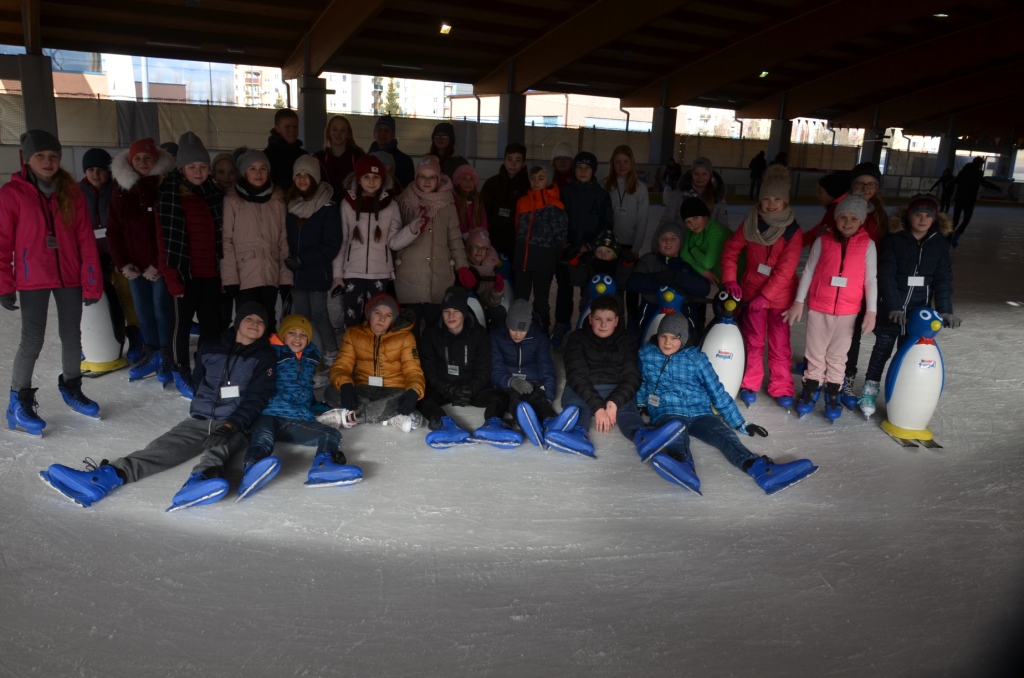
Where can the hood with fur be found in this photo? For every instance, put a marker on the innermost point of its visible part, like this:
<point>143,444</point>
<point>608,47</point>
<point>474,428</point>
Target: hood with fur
<point>686,184</point>
<point>124,174</point>
<point>387,193</point>
<point>897,222</point>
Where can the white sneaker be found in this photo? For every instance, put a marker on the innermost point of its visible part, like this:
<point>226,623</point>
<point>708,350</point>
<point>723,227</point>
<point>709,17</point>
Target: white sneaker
<point>400,421</point>
<point>338,418</point>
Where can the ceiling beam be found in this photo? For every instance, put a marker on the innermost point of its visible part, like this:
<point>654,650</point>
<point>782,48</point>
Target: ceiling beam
<point>30,26</point>
<point>593,28</point>
<point>819,26</point>
<point>976,45</point>
<point>339,23</point>
<point>1002,113</point>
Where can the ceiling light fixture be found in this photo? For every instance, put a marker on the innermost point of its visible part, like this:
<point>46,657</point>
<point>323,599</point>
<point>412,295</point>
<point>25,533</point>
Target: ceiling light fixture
<point>940,15</point>
<point>408,68</point>
<point>179,45</point>
<point>764,74</point>
<point>445,28</point>
<point>573,84</point>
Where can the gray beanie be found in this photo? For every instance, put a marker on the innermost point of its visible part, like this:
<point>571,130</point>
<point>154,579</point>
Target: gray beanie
<point>563,149</point>
<point>520,315</point>
<point>855,204</point>
<point>386,158</point>
<point>37,140</point>
<point>309,165</point>
<point>251,157</point>
<point>703,162</point>
<point>674,323</point>
<point>190,150</point>
<point>669,227</point>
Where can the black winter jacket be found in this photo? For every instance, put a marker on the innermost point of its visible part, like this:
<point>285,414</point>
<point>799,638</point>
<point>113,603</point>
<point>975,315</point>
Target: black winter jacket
<point>500,195</point>
<point>282,156</point>
<point>968,181</point>
<point>589,208</point>
<point>316,243</point>
<point>404,170</point>
<point>225,362</point>
<point>653,271</point>
<point>591,361</point>
<point>902,256</point>
<point>468,354</point>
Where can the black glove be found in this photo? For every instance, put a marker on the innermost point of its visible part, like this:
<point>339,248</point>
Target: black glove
<point>752,430</point>
<point>285,291</point>
<point>89,302</point>
<point>8,301</point>
<point>407,402</point>
<point>220,436</point>
<point>232,290</point>
<point>337,291</point>
<point>293,263</point>
<point>461,395</point>
<point>348,399</point>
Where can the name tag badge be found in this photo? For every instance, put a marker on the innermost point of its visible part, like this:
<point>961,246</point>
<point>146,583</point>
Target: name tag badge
<point>504,212</point>
<point>838,281</point>
<point>228,391</point>
<point>51,242</point>
<point>915,281</point>
<point>620,210</point>
<point>149,209</point>
<point>764,270</point>
<point>453,370</point>
<point>517,375</point>
<point>653,400</point>
<point>376,381</point>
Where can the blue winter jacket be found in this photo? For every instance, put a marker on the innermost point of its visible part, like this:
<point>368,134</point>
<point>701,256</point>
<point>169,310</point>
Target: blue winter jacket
<point>228,363</point>
<point>316,243</point>
<point>686,386</point>
<point>531,357</point>
<point>293,396</point>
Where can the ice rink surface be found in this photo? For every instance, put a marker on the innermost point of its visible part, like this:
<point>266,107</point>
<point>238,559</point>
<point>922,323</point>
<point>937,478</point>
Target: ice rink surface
<point>483,562</point>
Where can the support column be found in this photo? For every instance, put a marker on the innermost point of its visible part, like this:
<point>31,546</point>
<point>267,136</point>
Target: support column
<point>871,151</point>
<point>511,121</point>
<point>778,139</point>
<point>312,111</point>
<point>663,136</point>
<point>37,93</point>
<point>465,134</point>
<point>947,152</point>
<point>1007,161</point>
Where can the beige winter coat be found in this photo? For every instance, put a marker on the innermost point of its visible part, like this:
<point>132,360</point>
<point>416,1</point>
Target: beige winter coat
<point>255,242</point>
<point>426,268</point>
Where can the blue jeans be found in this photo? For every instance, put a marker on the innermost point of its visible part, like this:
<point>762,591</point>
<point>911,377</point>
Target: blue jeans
<point>710,429</point>
<point>268,429</point>
<point>627,418</point>
<point>155,310</point>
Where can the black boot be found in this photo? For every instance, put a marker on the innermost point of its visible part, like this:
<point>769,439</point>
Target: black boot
<point>808,398</point>
<point>833,410</point>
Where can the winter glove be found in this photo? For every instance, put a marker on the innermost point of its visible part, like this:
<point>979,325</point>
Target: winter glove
<point>88,302</point>
<point>220,436</point>
<point>339,288</point>
<point>758,304</point>
<point>347,398</point>
<point>795,312</point>
<point>499,282</point>
<point>8,301</point>
<point>462,395</point>
<point>232,290</point>
<point>521,386</point>
<point>734,290</point>
<point>951,320</point>
<point>293,263</point>
<point>898,318</point>
<point>752,429</point>
<point>131,272</point>
<point>151,274</point>
<point>407,402</point>
<point>466,278</point>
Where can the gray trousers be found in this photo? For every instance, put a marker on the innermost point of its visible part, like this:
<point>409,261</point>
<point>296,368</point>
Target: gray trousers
<point>313,305</point>
<point>376,403</point>
<point>35,306</point>
<point>177,446</point>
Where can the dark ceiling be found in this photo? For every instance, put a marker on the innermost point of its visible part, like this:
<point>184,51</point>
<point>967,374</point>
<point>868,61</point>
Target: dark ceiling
<point>931,67</point>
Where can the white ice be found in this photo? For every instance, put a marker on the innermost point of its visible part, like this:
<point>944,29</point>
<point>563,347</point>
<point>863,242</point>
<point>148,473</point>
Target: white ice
<point>483,562</point>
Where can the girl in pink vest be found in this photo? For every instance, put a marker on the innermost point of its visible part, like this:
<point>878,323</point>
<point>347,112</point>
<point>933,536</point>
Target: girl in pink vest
<point>839,276</point>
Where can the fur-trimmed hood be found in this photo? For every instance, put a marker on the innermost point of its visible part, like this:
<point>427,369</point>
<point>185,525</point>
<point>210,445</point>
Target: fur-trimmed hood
<point>686,184</point>
<point>125,175</point>
<point>897,222</point>
<point>387,190</point>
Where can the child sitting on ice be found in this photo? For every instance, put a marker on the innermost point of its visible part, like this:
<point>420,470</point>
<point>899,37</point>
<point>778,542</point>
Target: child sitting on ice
<point>839,275</point>
<point>288,417</point>
<point>679,388</point>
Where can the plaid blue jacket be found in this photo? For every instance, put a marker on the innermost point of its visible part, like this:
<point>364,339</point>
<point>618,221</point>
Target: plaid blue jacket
<point>686,386</point>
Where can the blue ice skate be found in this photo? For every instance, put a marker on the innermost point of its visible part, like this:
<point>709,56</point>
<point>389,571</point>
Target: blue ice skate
<point>449,435</point>
<point>198,490</point>
<point>675,471</point>
<point>326,472</point>
<point>136,347</point>
<point>650,441</point>
<point>183,382</point>
<point>847,398</point>
<point>772,477</point>
<point>574,441</point>
<point>497,433</point>
<point>22,412</point>
<point>147,365</point>
<point>85,488</point>
<point>785,402</point>
<point>748,396</point>
<point>71,392</point>
<point>257,475</point>
<point>563,421</point>
<point>528,421</point>
<point>808,398</point>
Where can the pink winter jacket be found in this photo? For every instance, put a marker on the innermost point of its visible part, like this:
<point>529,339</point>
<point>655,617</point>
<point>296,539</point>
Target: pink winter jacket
<point>27,217</point>
<point>778,286</point>
<point>850,264</point>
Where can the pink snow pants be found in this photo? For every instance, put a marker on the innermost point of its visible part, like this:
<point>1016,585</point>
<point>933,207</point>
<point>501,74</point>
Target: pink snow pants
<point>828,341</point>
<point>759,326</point>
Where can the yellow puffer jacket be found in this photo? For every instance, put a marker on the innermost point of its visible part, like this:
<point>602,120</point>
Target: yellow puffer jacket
<point>392,356</point>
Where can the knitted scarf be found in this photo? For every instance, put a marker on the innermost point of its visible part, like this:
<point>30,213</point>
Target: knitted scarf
<point>777,224</point>
<point>250,193</point>
<point>436,201</point>
<point>305,208</point>
<point>171,214</point>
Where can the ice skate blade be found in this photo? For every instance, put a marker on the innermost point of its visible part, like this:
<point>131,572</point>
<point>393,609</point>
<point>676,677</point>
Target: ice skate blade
<point>567,450</point>
<point>446,445</point>
<point>667,475</point>
<point>335,483</point>
<point>930,444</point>
<point>256,485</point>
<point>25,431</point>
<point>814,469</point>
<point>218,493</point>
<point>500,444</point>
<point>45,477</point>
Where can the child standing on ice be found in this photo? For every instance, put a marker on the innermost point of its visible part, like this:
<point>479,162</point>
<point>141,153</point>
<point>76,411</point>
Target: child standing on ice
<point>840,275</point>
<point>914,270</point>
<point>679,390</point>
<point>771,239</point>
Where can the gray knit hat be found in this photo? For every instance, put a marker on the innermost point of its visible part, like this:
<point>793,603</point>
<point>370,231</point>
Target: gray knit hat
<point>37,140</point>
<point>381,299</point>
<point>563,149</point>
<point>855,204</point>
<point>776,184</point>
<point>309,165</point>
<point>674,323</point>
<point>190,150</point>
<point>703,162</point>
<point>386,158</point>
<point>520,315</point>
<point>250,157</point>
<point>669,227</point>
